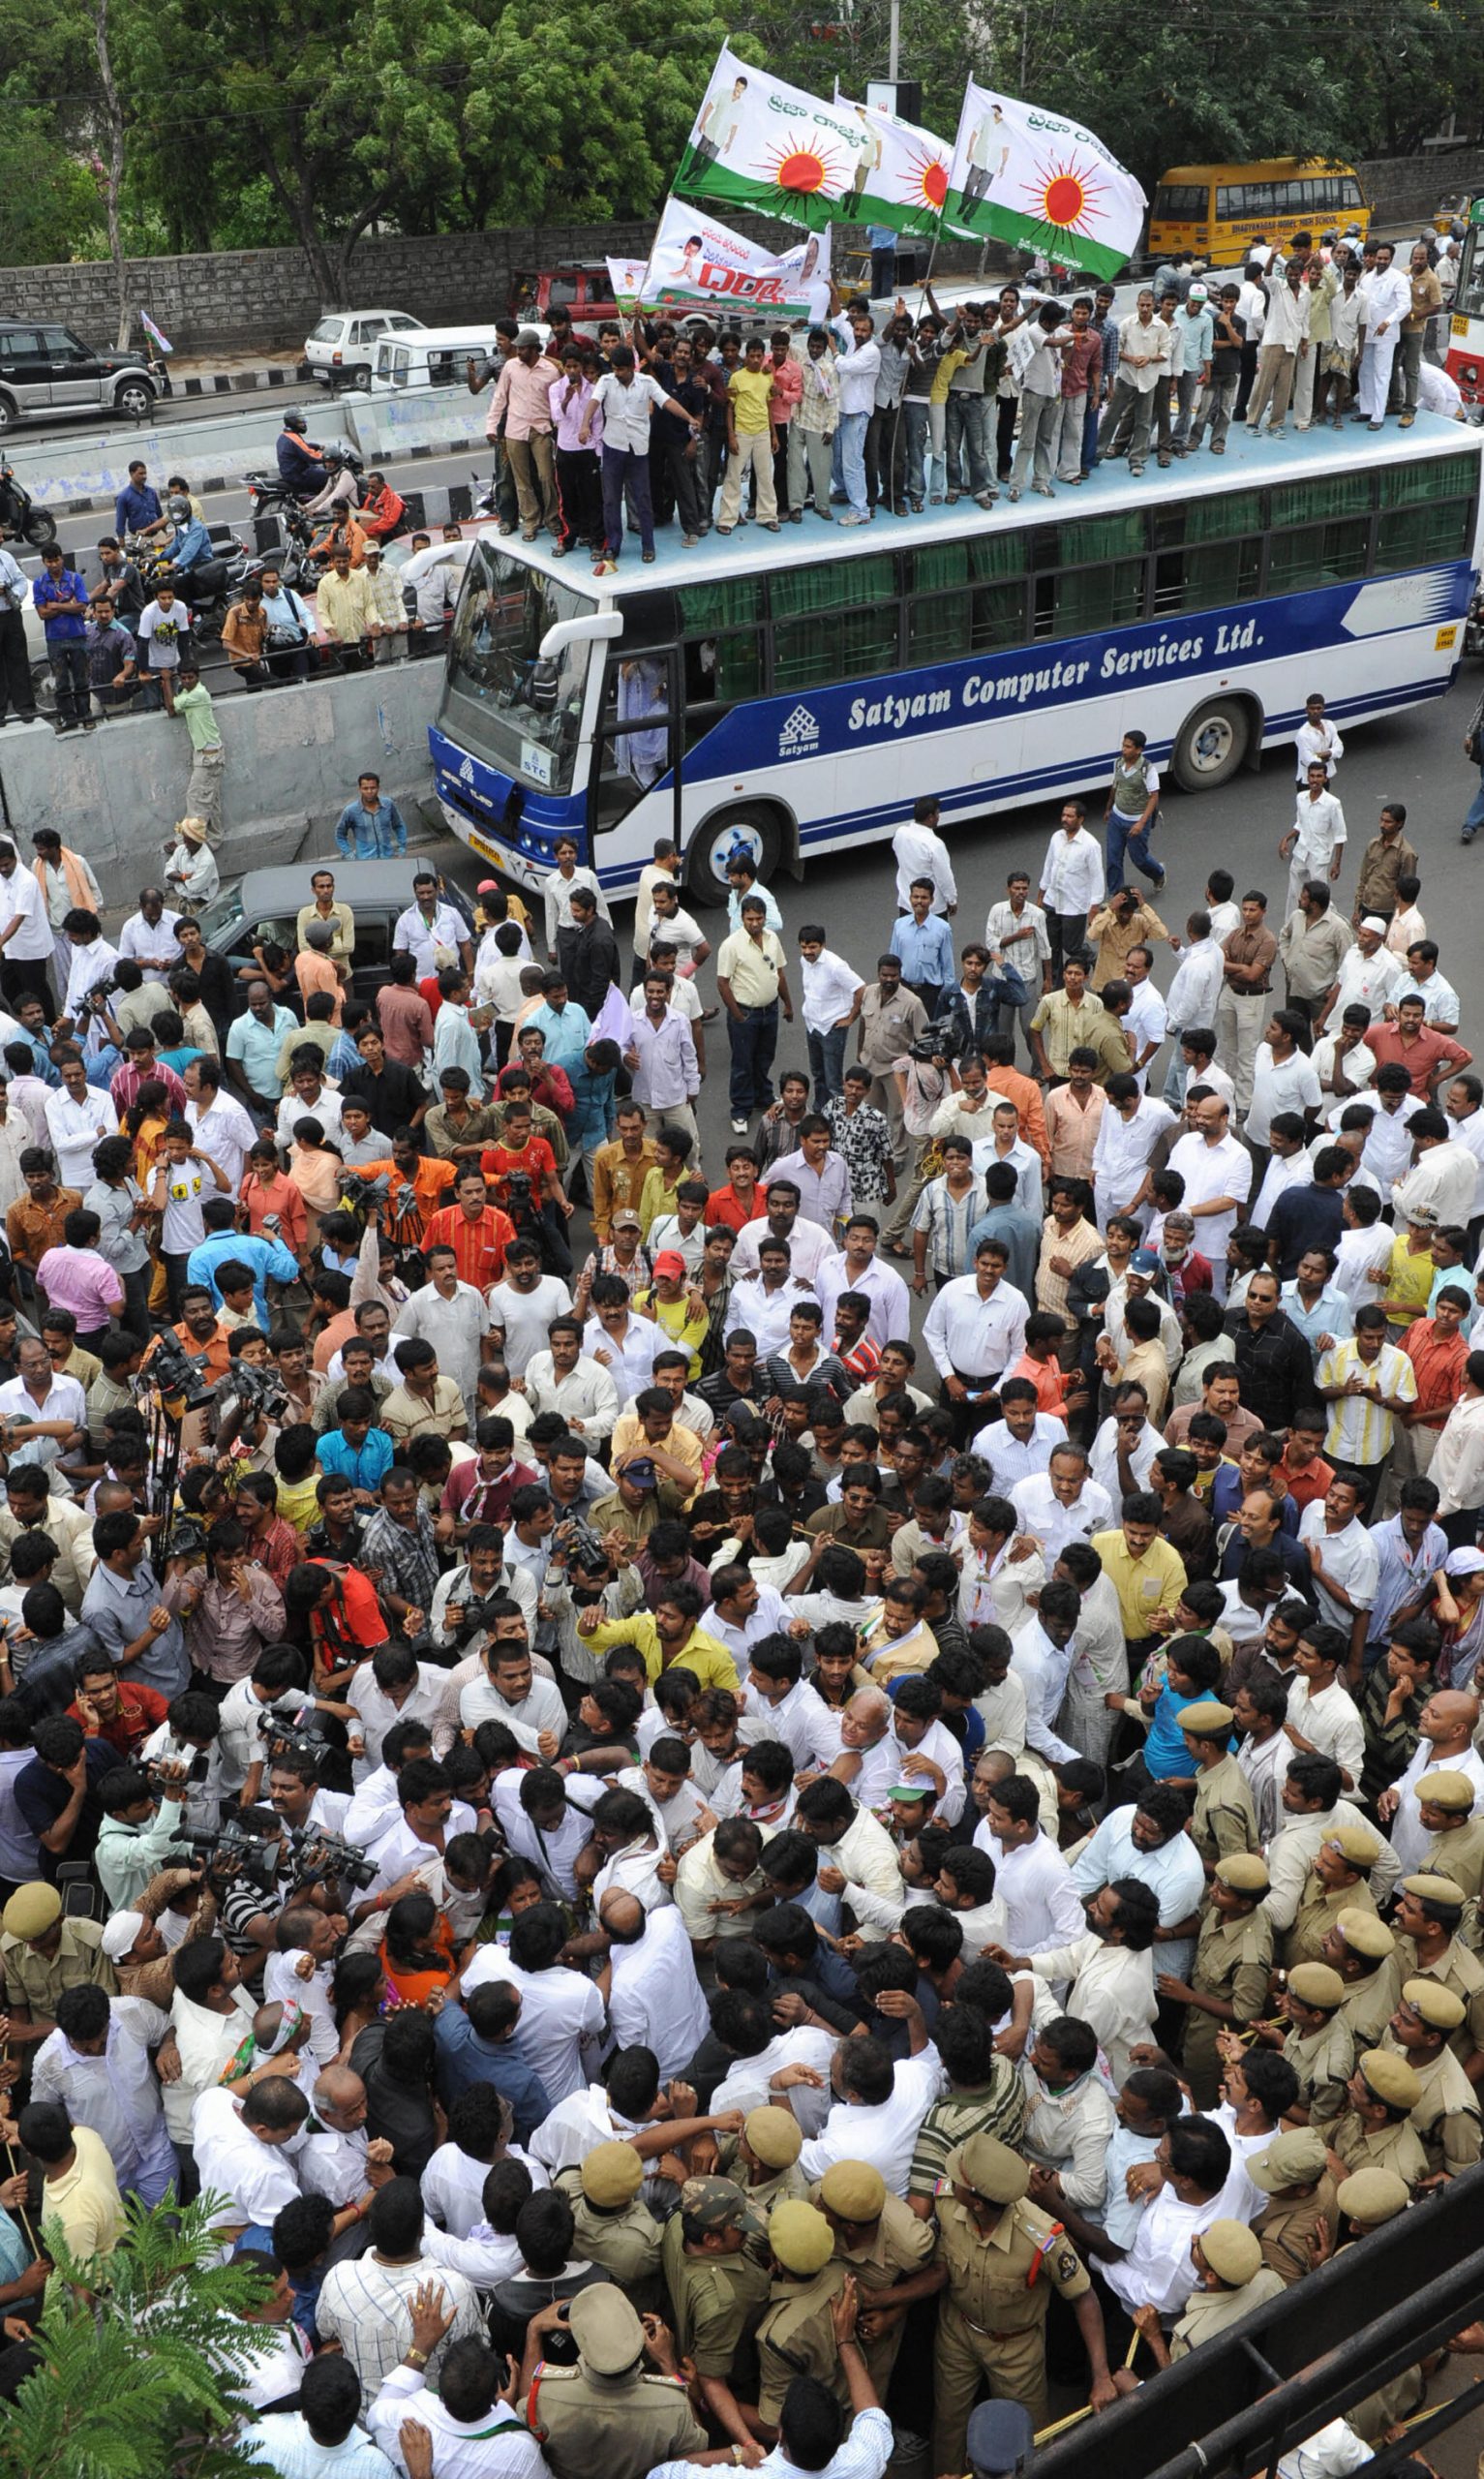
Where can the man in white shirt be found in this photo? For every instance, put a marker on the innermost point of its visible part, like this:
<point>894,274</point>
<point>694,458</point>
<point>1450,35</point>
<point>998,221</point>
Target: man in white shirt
<point>975,1329</point>
<point>1315,839</point>
<point>563,1379</point>
<point>879,2114</point>
<point>1131,1129</point>
<point>1284,1078</point>
<point>855,367</point>
<point>1218,1171</point>
<point>1192,997</point>
<point>1388,303</point>
<point>25,930</point>
<point>1042,1905</point>
<point>222,1129</point>
<point>1062,1503</point>
<point>241,2152</point>
<point>530,1708</point>
<point>1439,1187</point>
<point>1072,880</point>
<point>831,1002</point>
<point>1323,1717</point>
<point>562,2019</point>
<point>654,1998</point>
<point>1316,737</point>
<point>856,1268</point>
<point>921,852</point>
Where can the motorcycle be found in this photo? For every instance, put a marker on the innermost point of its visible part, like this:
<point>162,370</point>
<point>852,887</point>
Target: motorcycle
<point>207,589</point>
<point>20,516</point>
<point>271,498</point>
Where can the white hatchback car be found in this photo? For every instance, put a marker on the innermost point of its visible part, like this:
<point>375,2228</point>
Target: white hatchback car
<point>343,348</point>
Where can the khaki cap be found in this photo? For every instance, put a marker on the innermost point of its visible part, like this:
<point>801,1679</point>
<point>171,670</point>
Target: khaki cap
<point>1442,2008</point>
<point>1244,1872</point>
<point>801,2238</point>
<point>1365,1934</point>
<point>1315,1984</point>
<point>1438,1889</point>
<point>1232,2250</point>
<point>606,2329</point>
<point>31,1911</point>
<point>611,2174</point>
<point>1206,1721</point>
<point>719,2203</point>
<point>776,2135</point>
<point>1292,2159</point>
<point>854,2190</point>
<point>989,2168</point>
<point>1453,1791</point>
<point>1370,2196</point>
<point>1390,2078</point>
<point>1355,1843</point>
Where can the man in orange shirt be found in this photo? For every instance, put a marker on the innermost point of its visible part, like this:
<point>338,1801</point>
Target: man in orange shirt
<point>476,1231</point>
<point>523,1151</point>
<point>200,1333</point>
<point>738,1201</point>
<point>1439,1349</point>
<point>313,968</point>
<point>419,1186</point>
<point>1055,1390</point>
<point>998,1051</point>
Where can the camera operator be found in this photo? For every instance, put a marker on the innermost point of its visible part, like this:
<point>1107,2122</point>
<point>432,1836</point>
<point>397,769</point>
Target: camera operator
<point>340,1532</point>
<point>143,1815</point>
<point>276,1685</point>
<point>238,1610</point>
<point>456,1618</point>
<point>189,1739</point>
<point>304,1810</point>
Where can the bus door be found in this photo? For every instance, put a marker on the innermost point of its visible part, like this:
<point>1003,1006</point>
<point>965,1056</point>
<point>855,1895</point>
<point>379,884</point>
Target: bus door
<point>1464,357</point>
<point>638,744</point>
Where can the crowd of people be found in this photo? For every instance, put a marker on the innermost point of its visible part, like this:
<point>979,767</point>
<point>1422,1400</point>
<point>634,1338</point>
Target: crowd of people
<point>1024,390</point>
<point>716,1809</point>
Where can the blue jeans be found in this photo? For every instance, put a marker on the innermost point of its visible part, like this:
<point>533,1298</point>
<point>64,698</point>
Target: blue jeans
<point>1090,421</point>
<point>827,1064</point>
<point>967,437</point>
<point>851,438</point>
<point>753,1040</point>
<point>1123,841</point>
<point>1476,818</point>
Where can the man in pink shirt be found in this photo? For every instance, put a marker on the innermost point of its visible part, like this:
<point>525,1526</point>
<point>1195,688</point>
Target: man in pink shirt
<point>783,399</point>
<point>523,401</point>
<point>75,1277</point>
<point>402,1013</point>
<point>313,968</point>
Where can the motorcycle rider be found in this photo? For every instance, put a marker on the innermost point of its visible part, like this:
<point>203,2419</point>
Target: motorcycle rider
<point>301,466</point>
<point>118,579</point>
<point>192,545</point>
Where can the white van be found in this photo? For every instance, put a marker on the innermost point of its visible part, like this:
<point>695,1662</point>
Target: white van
<point>434,358</point>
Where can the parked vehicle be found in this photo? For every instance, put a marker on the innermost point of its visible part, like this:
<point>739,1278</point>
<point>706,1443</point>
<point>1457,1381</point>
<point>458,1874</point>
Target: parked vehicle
<point>47,370</point>
<point>585,288</point>
<point>1216,209</point>
<point>264,905</point>
<point>20,516</point>
<point>341,350</point>
<point>439,358</point>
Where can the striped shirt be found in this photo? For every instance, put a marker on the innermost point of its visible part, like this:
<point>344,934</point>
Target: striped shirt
<point>996,2108</point>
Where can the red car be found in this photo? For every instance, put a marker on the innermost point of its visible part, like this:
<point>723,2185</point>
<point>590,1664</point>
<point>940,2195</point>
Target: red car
<point>582,289</point>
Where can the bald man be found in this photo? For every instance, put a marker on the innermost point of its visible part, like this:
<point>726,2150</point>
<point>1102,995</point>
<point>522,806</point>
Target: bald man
<point>654,1998</point>
<point>869,1760</point>
<point>338,2161</point>
<point>1445,1728</point>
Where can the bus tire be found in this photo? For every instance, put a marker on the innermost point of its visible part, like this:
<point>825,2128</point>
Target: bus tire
<point>756,829</point>
<point>1213,744</point>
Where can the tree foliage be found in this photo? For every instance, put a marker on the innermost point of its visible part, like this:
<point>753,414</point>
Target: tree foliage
<point>138,2380</point>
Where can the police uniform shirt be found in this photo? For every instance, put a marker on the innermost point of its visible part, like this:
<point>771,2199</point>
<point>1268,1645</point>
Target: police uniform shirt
<point>619,2425</point>
<point>1393,2145</point>
<point>1212,2311</point>
<point>1283,2229</point>
<point>1459,1854</point>
<point>1370,2002</point>
<point>37,1980</point>
<point>1447,2118</point>
<point>1319,1909</point>
<point>796,2337</point>
<point>1233,1958</point>
<point>1224,1820</point>
<point>718,2302</point>
<point>624,2244</point>
<point>990,2280</point>
<point>1463,1973</point>
<point>779,2186</point>
<point>897,2249</point>
<point>1324,2061</point>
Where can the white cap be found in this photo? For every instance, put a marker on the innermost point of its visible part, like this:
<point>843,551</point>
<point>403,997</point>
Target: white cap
<point>119,1933</point>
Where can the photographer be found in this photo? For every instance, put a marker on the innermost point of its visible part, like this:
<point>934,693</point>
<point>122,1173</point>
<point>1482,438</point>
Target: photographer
<point>275,1687</point>
<point>143,1818</point>
<point>238,1610</point>
<point>458,1619</point>
<point>189,1740</point>
<point>309,1814</point>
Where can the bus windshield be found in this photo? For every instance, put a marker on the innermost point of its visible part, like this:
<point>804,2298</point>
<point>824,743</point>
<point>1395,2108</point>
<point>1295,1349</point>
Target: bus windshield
<point>523,717</point>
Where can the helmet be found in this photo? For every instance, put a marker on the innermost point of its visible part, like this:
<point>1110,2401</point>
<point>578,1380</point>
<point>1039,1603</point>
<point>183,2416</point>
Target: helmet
<point>178,509</point>
<point>293,420</point>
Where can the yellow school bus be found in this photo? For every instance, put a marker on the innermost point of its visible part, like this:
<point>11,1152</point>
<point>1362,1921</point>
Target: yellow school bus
<point>1217,209</point>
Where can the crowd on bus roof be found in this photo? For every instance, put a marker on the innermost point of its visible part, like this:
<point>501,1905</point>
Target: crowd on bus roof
<point>685,1792</point>
<point>683,423</point>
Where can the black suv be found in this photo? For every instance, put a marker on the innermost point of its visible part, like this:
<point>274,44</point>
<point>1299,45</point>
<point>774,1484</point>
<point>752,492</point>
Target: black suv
<point>48,370</point>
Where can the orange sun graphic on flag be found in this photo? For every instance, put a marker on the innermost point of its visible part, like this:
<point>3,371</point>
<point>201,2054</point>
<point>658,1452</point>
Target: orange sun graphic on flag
<point>1065,196</point>
<point>803,170</point>
<point>927,182</point>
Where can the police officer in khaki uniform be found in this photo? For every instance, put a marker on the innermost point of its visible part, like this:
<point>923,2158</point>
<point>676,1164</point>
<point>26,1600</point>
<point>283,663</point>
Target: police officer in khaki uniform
<point>1295,2176</point>
<point>1224,1820</point>
<point>1429,1919</point>
<point>1445,1810</point>
<point>1375,2132</point>
<point>1447,2118</point>
<point>1337,1880</point>
<point>1363,1951</point>
<point>616,2230</point>
<point>606,2413</point>
<point>1319,2044</point>
<point>889,2251</point>
<point>763,2158</point>
<point>796,2335</point>
<point>1229,1976</point>
<point>42,1953</point>
<point>717,2281</point>
<point>1003,2257</point>
<point>1231,2279</point>
<point>1367,2201</point>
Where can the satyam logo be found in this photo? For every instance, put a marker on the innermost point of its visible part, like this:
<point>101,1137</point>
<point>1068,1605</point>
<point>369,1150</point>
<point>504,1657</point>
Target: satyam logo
<point>800,732</point>
<point>467,771</point>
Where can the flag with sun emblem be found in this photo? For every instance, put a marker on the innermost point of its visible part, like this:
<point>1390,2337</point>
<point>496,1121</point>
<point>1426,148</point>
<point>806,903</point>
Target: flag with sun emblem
<point>908,181</point>
<point>758,142</point>
<point>1042,183</point>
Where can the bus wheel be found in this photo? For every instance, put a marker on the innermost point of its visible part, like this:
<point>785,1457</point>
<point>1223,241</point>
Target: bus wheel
<point>1212,746</point>
<point>731,831</point>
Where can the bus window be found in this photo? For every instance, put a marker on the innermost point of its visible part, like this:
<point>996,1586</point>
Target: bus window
<point>940,627</point>
<point>1316,555</point>
<point>858,642</point>
<point>638,737</point>
<point>1331,495</point>
<point>834,586</point>
<point>1438,529</point>
<point>1208,520</point>
<point>1082,603</point>
<point>1101,538</point>
<point>1439,478</point>
<point>721,645</point>
<point>519,714</point>
<point>1182,203</point>
<point>1468,299</point>
<point>1200,579</point>
<point>999,617</point>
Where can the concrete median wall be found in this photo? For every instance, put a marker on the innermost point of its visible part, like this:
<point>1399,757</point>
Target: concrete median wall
<point>293,757</point>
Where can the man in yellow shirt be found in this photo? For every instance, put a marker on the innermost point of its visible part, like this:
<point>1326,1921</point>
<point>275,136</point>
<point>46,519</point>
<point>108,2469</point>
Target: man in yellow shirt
<point>650,1427</point>
<point>670,1635</point>
<point>1147,1574</point>
<point>80,2191</point>
<point>672,1307</point>
<point>348,610</point>
<point>752,441</point>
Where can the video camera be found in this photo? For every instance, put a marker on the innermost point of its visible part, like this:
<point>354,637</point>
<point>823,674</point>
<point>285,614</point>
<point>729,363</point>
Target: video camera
<point>326,1855</point>
<point>232,1852</point>
<point>941,1040</point>
<point>297,1733</point>
<point>98,996</point>
<point>358,1194</point>
<point>259,1390</point>
<point>173,1373</point>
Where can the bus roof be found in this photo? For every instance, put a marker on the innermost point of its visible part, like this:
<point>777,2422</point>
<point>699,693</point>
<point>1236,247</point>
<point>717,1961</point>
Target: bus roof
<point>1271,168</point>
<point>1247,463</point>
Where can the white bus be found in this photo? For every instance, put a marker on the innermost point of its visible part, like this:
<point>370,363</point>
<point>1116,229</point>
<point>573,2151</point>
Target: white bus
<point>795,692</point>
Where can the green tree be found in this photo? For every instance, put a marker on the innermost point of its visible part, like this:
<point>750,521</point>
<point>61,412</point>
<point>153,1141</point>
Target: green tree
<point>140,2360</point>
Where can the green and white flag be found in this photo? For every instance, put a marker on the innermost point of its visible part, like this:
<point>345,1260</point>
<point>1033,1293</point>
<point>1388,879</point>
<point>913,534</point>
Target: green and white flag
<point>907,178</point>
<point>1040,183</point>
<point>758,142</point>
